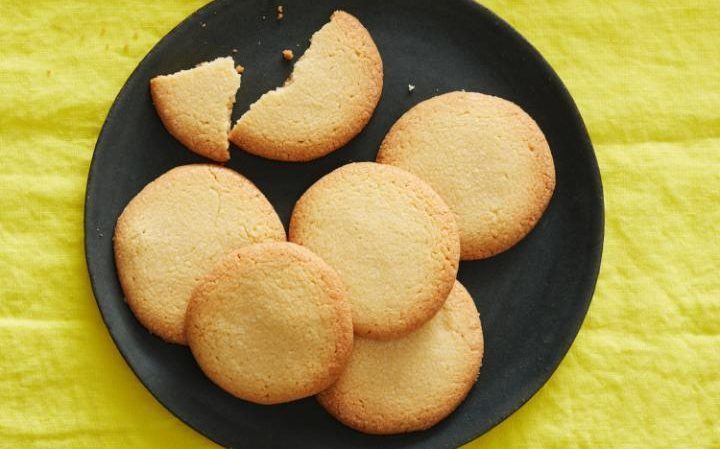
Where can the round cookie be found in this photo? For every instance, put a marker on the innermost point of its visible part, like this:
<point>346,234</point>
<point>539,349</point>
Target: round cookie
<point>176,229</point>
<point>391,238</point>
<point>486,158</point>
<point>413,382</point>
<point>328,99</point>
<point>270,323</point>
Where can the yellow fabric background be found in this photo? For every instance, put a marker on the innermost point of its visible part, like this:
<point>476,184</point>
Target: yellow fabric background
<point>645,369</point>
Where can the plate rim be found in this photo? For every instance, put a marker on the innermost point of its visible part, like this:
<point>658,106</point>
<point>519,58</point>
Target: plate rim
<point>597,249</point>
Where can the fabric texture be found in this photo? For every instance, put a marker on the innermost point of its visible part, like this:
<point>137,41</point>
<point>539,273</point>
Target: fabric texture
<point>644,370</point>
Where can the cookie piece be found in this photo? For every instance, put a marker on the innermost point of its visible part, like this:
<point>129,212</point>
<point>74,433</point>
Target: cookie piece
<point>328,99</point>
<point>271,324</point>
<point>176,229</point>
<point>486,158</point>
<point>195,106</point>
<point>390,237</point>
<point>413,382</point>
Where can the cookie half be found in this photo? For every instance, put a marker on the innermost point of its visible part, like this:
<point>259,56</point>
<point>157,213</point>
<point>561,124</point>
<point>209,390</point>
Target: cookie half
<point>176,229</point>
<point>271,324</point>
<point>413,382</point>
<point>328,99</point>
<point>195,106</point>
<point>391,238</point>
<point>486,158</point>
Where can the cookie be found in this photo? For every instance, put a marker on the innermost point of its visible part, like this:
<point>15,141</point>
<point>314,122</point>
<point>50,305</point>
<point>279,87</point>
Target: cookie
<point>391,238</point>
<point>413,382</point>
<point>195,106</point>
<point>328,99</point>
<point>176,229</point>
<point>486,158</point>
<point>271,323</point>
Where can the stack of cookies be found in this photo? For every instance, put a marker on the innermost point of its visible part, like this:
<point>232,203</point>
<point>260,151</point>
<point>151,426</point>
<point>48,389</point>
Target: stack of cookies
<point>359,303</point>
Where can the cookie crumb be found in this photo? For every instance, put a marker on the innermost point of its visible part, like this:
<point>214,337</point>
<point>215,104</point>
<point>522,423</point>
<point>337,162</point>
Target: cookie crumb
<point>234,50</point>
<point>49,72</point>
<point>280,13</point>
<point>240,69</point>
<point>126,48</point>
<point>411,87</point>
<point>264,17</point>
<point>288,54</point>
<point>203,24</point>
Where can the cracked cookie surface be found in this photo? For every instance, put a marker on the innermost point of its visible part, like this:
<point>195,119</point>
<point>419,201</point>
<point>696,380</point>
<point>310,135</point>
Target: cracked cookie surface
<point>176,229</point>
<point>195,105</point>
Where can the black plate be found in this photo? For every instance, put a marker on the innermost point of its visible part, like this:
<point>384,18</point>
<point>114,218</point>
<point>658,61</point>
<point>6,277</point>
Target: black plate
<point>532,298</point>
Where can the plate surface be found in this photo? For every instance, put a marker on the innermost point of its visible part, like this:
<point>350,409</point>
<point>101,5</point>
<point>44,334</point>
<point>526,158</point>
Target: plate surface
<point>532,298</point>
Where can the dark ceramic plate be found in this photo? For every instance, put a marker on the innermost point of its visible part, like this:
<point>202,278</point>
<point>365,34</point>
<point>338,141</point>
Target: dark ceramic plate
<point>532,298</point>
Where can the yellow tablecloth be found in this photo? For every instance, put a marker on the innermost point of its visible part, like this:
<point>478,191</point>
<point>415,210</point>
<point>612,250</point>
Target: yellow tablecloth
<point>645,369</point>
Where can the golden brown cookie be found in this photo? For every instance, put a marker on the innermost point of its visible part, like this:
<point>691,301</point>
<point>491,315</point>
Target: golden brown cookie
<point>176,229</point>
<point>413,382</point>
<point>390,237</point>
<point>271,323</point>
<point>328,99</point>
<point>195,106</point>
<point>486,158</point>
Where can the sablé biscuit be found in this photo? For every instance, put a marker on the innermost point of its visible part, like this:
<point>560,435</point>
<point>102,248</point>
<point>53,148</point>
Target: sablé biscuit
<point>271,324</point>
<point>390,237</point>
<point>176,229</point>
<point>195,106</point>
<point>413,382</point>
<point>486,158</point>
<point>328,99</point>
